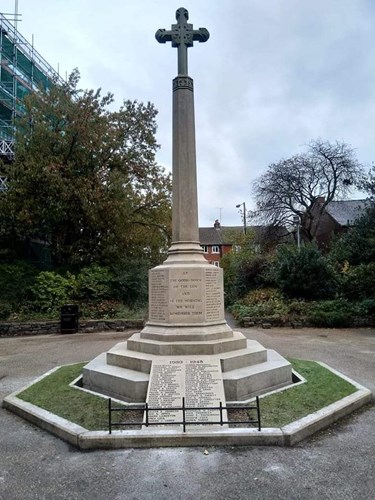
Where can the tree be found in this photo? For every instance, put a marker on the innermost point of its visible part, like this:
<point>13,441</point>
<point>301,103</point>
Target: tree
<point>304,273</point>
<point>368,184</point>
<point>246,268</point>
<point>85,180</point>
<point>293,186</point>
<point>357,246</point>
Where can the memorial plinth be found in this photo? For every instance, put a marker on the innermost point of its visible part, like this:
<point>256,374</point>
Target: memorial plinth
<point>186,297</point>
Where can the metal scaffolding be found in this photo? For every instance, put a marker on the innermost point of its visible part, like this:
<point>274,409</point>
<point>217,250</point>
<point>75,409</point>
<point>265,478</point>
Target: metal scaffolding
<point>22,70</point>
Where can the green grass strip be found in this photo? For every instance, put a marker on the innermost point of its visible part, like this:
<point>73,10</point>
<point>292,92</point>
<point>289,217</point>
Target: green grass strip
<point>53,393</point>
<point>321,389</point>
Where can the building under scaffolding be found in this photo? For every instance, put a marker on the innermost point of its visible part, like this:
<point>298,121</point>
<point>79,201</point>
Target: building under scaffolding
<point>22,70</point>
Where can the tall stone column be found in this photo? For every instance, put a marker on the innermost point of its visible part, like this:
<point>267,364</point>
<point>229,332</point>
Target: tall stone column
<point>186,292</point>
<point>185,202</point>
<point>185,234</point>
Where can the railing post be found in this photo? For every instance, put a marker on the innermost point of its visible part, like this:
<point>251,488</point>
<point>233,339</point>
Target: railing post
<point>183,414</point>
<point>109,415</point>
<point>146,407</point>
<point>258,413</point>
<point>221,413</point>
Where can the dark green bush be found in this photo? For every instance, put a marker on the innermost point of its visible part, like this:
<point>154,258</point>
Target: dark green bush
<point>261,304</point>
<point>16,281</point>
<point>304,274</point>
<point>337,313</point>
<point>367,307</point>
<point>244,272</point>
<point>94,283</point>
<point>5,310</point>
<point>357,246</point>
<point>359,282</point>
<point>130,282</point>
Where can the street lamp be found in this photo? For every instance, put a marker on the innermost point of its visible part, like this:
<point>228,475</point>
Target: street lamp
<point>297,221</point>
<point>244,215</point>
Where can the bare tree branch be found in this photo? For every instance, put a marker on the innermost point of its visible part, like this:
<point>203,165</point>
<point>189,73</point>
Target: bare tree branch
<point>293,186</point>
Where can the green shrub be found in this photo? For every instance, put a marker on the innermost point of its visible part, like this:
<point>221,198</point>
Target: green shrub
<point>51,290</point>
<point>357,246</point>
<point>130,282</point>
<point>5,310</point>
<point>104,309</point>
<point>15,282</point>
<point>243,272</point>
<point>94,283</point>
<point>261,304</point>
<point>337,313</point>
<point>304,274</point>
<point>367,307</point>
<point>359,282</point>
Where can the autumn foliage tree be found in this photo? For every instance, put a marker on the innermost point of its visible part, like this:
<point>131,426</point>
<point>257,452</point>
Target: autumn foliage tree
<point>292,186</point>
<point>85,180</point>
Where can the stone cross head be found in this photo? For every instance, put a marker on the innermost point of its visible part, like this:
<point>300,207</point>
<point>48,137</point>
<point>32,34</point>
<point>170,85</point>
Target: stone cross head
<point>182,35</point>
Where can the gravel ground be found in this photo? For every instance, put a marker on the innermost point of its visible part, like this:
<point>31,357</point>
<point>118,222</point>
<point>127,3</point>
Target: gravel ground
<point>336,464</point>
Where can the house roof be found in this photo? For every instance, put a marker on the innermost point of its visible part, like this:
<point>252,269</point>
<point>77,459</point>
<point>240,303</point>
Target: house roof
<point>224,235</point>
<point>217,236</point>
<point>345,212</point>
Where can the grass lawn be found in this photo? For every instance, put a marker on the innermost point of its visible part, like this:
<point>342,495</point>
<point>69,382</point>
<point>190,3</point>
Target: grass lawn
<point>321,389</point>
<point>91,412</point>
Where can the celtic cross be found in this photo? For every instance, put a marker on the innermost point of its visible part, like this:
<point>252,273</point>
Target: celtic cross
<point>182,35</point>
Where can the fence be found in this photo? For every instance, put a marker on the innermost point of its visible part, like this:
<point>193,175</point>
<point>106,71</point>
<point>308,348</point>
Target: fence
<point>184,422</point>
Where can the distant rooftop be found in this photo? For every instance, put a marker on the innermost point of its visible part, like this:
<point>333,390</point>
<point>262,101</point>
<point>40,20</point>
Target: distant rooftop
<point>218,235</point>
<point>224,235</point>
<point>345,212</point>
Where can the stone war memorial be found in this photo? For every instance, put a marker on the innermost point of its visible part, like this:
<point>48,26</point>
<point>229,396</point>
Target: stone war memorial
<point>186,349</point>
<point>187,367</point>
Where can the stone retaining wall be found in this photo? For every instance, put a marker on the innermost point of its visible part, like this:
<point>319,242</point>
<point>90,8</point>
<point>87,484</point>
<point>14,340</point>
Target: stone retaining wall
<point>13,329</point>
<point>248,322</point>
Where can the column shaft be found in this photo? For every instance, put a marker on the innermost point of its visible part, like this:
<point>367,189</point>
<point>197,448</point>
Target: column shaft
<point>185,200</point>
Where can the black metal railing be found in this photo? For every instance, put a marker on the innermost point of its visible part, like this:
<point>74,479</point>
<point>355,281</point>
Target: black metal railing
<point>184,422</point>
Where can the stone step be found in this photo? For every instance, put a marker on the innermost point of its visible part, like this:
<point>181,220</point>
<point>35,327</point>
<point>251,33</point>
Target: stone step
<point>240,383</point>
<point>253,354</point>
<point>121,356</point>
<point>168,333</point>
<point>208,347</point>
<point>246,382</point>
<point>114,381</point>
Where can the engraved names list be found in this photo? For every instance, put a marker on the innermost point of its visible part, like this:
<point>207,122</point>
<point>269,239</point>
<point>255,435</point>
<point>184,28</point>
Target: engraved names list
<point>199,380</point>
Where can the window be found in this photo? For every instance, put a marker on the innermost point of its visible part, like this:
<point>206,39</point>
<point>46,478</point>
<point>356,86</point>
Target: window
<point>236,248</point>
<point>216,264</point>
<point>205,248</point>
<point>215,249</point>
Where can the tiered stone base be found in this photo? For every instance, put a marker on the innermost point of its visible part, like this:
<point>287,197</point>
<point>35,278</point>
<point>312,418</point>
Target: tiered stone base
<point>186,318</point>
<point>248,368</point>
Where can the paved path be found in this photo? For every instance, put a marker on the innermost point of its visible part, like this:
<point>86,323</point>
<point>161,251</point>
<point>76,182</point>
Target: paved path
<point>336,464</point>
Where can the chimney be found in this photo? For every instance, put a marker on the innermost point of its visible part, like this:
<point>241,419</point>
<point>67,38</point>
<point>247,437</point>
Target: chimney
<point>217,224</point>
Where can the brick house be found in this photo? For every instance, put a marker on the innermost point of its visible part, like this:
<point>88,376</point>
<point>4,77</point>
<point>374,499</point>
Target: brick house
<point>337,218</point>
<point>217,241</point>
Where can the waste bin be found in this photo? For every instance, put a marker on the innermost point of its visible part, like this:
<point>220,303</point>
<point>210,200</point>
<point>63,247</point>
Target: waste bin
<point>69,318</point>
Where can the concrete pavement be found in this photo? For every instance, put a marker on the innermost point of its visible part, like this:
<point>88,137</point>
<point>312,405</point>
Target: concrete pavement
<point>338,463</point>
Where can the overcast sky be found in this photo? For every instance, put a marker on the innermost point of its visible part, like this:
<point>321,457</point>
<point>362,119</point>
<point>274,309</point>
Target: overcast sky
<point>273,75</point>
